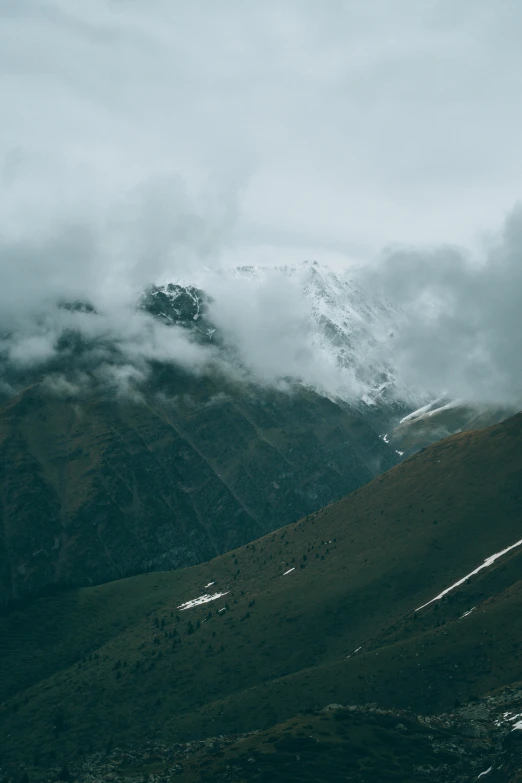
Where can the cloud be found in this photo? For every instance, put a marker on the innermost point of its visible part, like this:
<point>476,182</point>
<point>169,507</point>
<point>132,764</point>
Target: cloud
<point>267,326</point>
<point>345,126</point>
<point>146,141</point>
<point>107,262</point>
<point>453,328</point>
<point>460,317</point>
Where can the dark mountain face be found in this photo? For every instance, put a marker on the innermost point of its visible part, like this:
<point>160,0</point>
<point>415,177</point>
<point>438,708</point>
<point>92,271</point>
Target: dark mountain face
<point>95,486</point>
<point>181,305</point>
<point>349,607</point>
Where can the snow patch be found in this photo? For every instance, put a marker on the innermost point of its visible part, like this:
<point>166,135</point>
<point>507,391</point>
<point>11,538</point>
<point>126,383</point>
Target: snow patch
<point>486,772</point>
<point>466,613</point>
<point>289,571</point>
<point>430,409</point>
<point>202,599</point>
<point>487,562</point>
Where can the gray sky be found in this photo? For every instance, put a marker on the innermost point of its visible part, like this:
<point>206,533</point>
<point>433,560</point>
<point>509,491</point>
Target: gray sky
<point>144,139</point>
<point>325,129</point>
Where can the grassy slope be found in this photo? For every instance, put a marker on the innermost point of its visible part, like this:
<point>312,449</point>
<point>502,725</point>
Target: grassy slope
<point>93,489</point>
<point>90,665</point>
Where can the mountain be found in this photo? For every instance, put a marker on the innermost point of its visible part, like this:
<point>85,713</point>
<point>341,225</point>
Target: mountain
<point>356,330</point>
<point>96,484</point>
<point>350,326</point>
<point>439,419</point>
<point>406,595</point>
<point>118,458</point>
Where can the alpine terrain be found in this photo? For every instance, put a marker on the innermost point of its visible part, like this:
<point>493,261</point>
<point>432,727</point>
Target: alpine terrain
<point>99,481</point>
<point>111,466</point>
<point>260,392</point>
<point>376,639</point>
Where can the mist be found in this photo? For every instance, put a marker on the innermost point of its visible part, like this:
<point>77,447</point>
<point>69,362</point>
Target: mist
<point>459,316</point>
<point>152,143</point>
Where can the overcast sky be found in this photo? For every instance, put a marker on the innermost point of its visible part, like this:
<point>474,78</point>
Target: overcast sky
<point>145,139</point>
<point>298,129</point>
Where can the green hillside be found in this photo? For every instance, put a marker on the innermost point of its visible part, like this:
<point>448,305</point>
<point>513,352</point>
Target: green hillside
<point>122,661</point>
<point>94,487</point>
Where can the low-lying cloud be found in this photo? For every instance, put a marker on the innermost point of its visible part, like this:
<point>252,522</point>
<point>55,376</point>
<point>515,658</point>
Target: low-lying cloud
<point>86,278</point>
<point>460,316</point>
<point>144,142</point>
<point>268,323</point>
<point>450,322</point>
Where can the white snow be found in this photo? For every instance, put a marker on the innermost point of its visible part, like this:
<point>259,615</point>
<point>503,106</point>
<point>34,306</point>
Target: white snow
<point>505,717</point>
<point>430,409</point>
<point>202,599</point>
<point>447,407</point>
<point>385,438</point>
<point>486,772</point>
<point>357,650</point>
<point>209,584</point>
<point>517,725</point>
<point>466,613</point>
<point>347,325</point>
<point>487,562</point>
<point>421,411</point>
<point>289,571</point>
<point>400,453</point>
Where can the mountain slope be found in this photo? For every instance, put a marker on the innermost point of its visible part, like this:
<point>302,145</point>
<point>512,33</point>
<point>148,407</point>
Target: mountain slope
<point>357,330</point>
<point>335,744</point>
<point>439,419</point>
<point>93,487</point>
<point>321,611</point>
<point>114,462</point>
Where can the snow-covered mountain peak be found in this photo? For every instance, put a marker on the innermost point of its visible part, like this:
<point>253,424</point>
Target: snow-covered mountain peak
<point>333,320</point>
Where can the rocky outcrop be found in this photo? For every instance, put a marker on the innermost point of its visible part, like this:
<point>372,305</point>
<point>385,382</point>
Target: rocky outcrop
<point>365,742</point>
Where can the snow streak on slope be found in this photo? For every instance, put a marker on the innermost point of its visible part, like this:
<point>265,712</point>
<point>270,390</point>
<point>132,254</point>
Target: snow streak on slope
<point>487,562</point>
<point>431,409</point>
<point>202,599</point>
